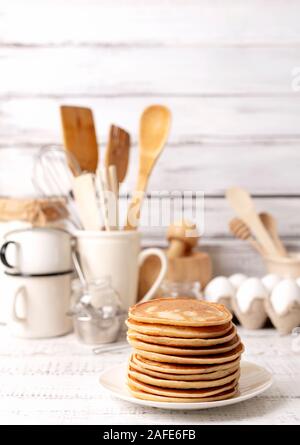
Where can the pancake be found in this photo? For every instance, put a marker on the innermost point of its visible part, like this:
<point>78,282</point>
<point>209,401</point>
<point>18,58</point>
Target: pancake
<point>180,312</point>
<point>174,368</point>
<point>179,384</point>
<point>179,331</point>
<point>184,377</point>
<point>209,350</point>
<point>146,396</point>
<point>194,360</point>
<point>180,342</point>
<point>190,393</point>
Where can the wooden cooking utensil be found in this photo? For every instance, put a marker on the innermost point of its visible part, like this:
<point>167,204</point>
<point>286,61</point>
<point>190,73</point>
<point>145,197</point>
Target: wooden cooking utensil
<point>183,236</point>
<point>240,230</point>
<point>114,188</point>
<point>80,136</point>
<point>117,151</point>
<point>102,188</point>
<point>270,224</point>
<point>86,201</point>
<point>243,205</point>
<point>154,129</point>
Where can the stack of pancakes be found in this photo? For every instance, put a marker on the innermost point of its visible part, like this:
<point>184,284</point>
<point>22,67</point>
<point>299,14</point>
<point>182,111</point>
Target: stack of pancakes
<point>185,350</point>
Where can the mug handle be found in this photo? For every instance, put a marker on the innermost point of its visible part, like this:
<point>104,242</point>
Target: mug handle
<point>21,291</point>
<point>3,254</point>
<point>163,269</point>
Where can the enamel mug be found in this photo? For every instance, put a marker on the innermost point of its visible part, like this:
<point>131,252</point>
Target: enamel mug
<point>38,305</point>
<point>117,254</point>
<point>37,251</point>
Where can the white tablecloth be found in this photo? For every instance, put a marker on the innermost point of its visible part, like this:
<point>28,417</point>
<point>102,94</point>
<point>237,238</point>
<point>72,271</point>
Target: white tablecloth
<point>55,381</point>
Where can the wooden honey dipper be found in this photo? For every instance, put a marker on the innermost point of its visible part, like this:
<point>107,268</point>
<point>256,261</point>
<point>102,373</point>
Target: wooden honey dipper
<point>183,237</point>
<point>240,230</point>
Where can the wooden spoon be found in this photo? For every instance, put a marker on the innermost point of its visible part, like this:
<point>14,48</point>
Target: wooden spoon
<point>154,129</point>
<point>117,151</point>
<point>80,136</point>
<point>270,224</point>
<point>243,205</point>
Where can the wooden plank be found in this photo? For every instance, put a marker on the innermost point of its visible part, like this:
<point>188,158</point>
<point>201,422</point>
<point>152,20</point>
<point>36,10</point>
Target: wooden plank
<point>211,168</point>
<point>212,218</point>
<point>159,22</point>
<point>233,256</point>
<point>162,71</point>
<point>206,120</point>
<point>217,215</point>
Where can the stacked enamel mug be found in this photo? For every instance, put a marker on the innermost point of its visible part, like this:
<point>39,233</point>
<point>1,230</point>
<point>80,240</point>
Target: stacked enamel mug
<point>38,276</point>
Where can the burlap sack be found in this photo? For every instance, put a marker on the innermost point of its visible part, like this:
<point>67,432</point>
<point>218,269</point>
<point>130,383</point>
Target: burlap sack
<point>38,212</point>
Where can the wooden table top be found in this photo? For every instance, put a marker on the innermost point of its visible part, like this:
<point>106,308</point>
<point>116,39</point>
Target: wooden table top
<point>55,381</point>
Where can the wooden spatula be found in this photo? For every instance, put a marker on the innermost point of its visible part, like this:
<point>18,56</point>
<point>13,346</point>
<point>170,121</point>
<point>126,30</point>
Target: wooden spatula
<point>80,136</point>
<point>243,205</point>
<point>154,129</point>
<point>117,151</point>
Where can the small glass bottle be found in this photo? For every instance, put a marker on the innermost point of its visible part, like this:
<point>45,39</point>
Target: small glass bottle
<point>176,289</point>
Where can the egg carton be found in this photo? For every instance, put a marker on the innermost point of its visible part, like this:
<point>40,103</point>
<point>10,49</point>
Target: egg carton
<point>253,300</point>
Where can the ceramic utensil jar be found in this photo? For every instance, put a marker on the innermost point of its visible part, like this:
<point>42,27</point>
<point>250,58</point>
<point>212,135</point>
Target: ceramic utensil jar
<point>117,254</point>
<point>38,305</point>
<point>36,251</point>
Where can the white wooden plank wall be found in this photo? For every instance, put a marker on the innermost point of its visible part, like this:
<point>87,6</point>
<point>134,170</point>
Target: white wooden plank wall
<point>225,68</point>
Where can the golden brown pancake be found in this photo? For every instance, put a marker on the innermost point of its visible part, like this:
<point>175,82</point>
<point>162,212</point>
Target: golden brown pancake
<point>179,384</point>
<point>184,377</point>
<point>196,359</point>
<point>146,396</point>
<point>164,330</point>
<point>190,393</point>
<point>190,369</point>
<point>181,342</point>
<point>184,350</point>
<point>180,312</point>
<point>209,350</point>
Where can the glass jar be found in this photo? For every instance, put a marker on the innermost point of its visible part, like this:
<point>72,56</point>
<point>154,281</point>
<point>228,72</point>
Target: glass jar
<point>176,289</point>
<point>97,313</point>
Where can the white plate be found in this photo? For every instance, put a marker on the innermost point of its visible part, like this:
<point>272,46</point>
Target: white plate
<point>253,381</point>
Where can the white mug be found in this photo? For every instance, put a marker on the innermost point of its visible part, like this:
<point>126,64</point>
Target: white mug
<point>37,251</point>
<point>38,305</point>
<point>117,254</point>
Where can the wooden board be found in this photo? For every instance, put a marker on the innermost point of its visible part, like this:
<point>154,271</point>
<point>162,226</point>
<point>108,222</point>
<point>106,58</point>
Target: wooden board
<point>129,71</point>
<point>156,22</point>
<point>225,69</point>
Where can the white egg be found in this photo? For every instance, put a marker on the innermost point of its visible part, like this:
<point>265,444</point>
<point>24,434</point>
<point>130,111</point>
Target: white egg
<point>217,288</point>
<point>237,279</point>
<point>249,290</point>
<point>270,281</point>
<point>285,293</point>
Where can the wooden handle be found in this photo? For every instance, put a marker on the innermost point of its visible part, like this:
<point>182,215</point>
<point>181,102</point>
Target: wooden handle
<point>177,249</point>
<point>114,187</point>
<point>102,188</point>
<point>262,235</point>
<point>256,246</point>
<point>134,208</point>
<point>279,245</point>
<point>243,205</point>
<point>271,226</point>
<point>86,201</point>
